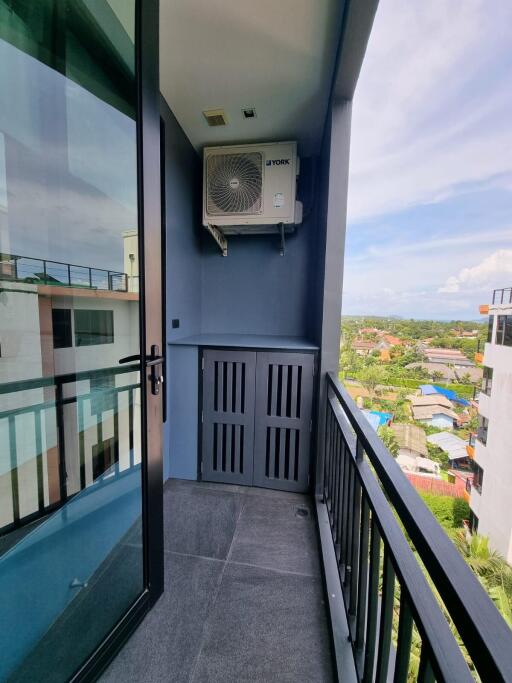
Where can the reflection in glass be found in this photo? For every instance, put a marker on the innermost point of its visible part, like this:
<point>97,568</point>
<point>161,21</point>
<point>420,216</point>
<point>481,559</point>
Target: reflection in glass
<point>70,481</point>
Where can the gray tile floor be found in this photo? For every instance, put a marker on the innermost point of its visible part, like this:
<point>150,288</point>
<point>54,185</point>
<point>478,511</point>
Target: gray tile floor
<point>243,598</point>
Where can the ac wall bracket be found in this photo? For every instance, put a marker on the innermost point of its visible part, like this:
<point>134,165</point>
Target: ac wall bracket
<point>219,238</point>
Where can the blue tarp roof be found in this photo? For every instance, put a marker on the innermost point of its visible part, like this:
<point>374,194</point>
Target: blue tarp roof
<point>428,389</point>
<point>377,419</point>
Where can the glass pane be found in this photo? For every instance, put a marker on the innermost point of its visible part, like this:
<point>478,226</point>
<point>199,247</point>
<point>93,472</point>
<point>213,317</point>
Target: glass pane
<point>71,557</point>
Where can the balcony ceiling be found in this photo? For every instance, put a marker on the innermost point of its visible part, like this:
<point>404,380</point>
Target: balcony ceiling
<point>275,56</point>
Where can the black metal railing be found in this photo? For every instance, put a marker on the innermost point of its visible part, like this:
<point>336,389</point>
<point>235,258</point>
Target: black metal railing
<point>394,560</point>
<point>58,395</point>
<point>45,272</point>
<point>502,296</point>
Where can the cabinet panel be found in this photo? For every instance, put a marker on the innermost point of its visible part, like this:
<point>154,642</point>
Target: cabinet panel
<point>284,389</point>
<point>228,416</point>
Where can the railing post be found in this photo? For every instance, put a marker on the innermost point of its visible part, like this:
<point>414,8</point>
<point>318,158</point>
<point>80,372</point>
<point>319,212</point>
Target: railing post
<point>326,446</point>
<point>59,413</point>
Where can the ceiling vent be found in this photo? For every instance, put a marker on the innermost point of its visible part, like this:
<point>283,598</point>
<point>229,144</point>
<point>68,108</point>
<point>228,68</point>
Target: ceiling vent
<point>215,117</point>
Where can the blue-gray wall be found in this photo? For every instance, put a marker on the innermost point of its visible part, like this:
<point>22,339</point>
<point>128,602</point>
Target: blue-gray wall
<point>183,296</point>
<point>254,290</point>
<point>183,220</point>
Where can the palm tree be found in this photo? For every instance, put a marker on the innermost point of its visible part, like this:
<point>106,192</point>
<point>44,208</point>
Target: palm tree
<point>490,567</point>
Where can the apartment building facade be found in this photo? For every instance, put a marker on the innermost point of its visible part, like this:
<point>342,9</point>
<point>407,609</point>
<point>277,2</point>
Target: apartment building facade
<point>491,450</point>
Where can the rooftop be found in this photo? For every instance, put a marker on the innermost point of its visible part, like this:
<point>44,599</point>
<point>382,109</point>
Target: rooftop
<point>453,445</point>
<point>430,400</point>
<point>411,437</point>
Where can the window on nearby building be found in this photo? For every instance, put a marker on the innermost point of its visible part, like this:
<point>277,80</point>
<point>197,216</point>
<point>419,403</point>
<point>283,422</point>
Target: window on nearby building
<point>487,381</point>
<point>489,331</point>
<point>504,330</point>
<point>94,327</point>
<point>483,426</point>
<point>62,334</point>
<point>478,477</point>
<point>507,335</point>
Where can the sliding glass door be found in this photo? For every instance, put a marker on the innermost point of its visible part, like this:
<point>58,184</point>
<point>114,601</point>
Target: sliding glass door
<point>75,552</point>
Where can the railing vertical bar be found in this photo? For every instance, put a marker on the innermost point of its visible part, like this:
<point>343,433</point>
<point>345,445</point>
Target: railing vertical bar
<point>362,583</point>
<point>347,510</point>
<point>337,485</point>
<point>116,431</point>
<point>39,460</point>
<point>327,449</point>
<point>130,427</point>
<point>335,491</point>
<point>426,673</point>
<point>354,559</point>
<point>404,640</point>
<point>59,413</point>
<point>386,619</point>
<point>331,465</point>
<point>373,603</point>
<point>100,453</point>
<point>343,470</point>
<point>14,469</point>
<point>81,440</point>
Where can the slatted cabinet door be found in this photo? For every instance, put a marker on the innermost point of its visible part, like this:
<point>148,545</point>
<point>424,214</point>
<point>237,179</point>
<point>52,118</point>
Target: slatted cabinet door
<point>284,390</point>
<point>228,416</point>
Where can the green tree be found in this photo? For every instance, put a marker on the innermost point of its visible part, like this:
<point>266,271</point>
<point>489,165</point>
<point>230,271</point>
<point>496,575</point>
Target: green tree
<point>388,436</point>
<point>437,376</point>
<point>371,377</point>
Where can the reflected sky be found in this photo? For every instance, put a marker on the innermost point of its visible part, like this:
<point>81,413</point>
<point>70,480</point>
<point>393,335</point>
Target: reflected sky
<point>67,167</point>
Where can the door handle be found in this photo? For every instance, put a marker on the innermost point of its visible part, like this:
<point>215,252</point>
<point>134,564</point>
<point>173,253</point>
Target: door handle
<point>153,361</point>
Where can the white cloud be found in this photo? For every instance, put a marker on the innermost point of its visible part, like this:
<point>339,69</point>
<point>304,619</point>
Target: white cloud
<point>432,111</point>
<point>495,269</point>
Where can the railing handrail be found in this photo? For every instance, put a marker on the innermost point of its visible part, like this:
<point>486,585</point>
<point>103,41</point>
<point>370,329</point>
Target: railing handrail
<point>110,273</point>
<point>501,291</point>
<point>53,380</point>
<point>484,632</point>
<point>58,402</point>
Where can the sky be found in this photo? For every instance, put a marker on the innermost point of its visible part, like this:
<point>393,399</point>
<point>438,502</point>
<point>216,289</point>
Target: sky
<point>429,231</point>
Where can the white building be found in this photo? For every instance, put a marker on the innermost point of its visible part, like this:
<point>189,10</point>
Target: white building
<point>491,492</point>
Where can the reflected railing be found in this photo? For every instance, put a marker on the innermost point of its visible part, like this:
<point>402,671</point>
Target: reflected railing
<point>502,296</point>
<point>45,272</point>
<point>60,434</point>
<point>414,609</point>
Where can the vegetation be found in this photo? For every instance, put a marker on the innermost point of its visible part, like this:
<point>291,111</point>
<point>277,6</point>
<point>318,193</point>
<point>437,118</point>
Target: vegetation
<point>388,436</point>
<point>449,512</point>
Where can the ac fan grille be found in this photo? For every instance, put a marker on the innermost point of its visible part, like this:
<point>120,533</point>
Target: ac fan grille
<point>234,184</point>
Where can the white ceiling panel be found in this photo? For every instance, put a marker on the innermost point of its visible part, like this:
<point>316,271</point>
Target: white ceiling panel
<point>276,56</point>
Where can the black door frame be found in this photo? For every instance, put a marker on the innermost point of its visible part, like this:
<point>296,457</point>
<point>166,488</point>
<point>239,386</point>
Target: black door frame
<point>149,229</point>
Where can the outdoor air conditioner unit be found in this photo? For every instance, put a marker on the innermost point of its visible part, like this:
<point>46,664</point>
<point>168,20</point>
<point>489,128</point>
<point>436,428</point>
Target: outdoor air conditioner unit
<point>250,190</point>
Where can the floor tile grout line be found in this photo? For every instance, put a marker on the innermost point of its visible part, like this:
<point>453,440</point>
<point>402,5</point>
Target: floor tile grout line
<point>214,597</point>
<point>244,564</point>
